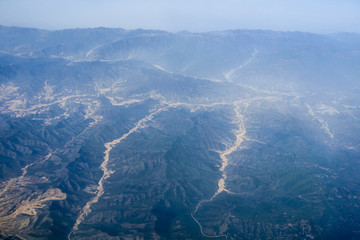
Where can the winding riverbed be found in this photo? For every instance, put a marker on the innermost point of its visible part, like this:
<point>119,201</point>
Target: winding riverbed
<point>106,171</point>
<point>240,133</point>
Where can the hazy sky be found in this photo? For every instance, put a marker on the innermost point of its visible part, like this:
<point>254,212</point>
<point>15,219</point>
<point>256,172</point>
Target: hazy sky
<point>322,16</point>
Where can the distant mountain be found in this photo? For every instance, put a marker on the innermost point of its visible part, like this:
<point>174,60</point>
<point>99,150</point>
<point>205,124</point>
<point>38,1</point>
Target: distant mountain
<point>142,134</point>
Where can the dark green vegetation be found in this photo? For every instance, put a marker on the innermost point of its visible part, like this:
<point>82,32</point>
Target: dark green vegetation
<point>283,106</point>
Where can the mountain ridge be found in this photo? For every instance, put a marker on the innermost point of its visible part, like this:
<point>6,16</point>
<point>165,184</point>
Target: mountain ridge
<point>115,134</point>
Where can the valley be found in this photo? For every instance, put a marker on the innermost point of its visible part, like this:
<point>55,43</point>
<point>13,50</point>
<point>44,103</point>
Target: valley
<point>147,134</point>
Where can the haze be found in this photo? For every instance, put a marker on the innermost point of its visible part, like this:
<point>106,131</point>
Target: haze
<point>196,16</point>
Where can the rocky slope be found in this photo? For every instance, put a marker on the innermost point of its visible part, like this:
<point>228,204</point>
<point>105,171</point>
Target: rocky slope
<point>118,134</point>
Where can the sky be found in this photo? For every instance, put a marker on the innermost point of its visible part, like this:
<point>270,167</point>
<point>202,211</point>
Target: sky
<point>318,16</point>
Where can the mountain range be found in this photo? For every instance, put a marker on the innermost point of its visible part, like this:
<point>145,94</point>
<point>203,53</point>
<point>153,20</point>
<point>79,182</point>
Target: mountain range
<point>145,134</point>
